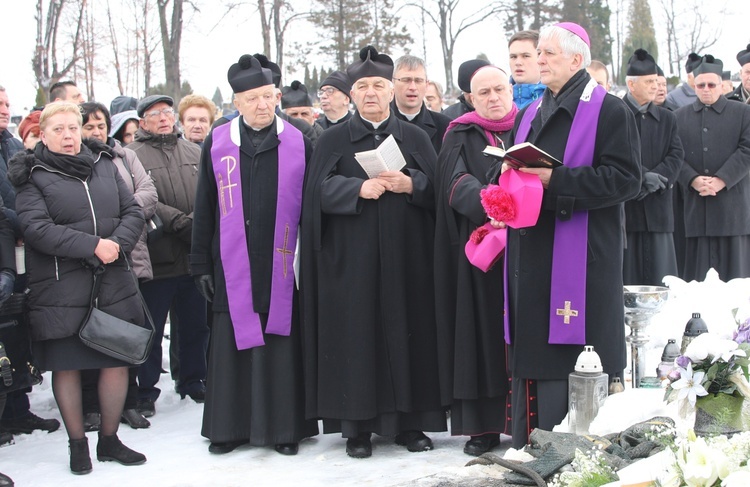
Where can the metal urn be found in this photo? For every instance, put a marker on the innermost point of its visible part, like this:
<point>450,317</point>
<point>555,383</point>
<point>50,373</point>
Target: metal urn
<point>641,304</point>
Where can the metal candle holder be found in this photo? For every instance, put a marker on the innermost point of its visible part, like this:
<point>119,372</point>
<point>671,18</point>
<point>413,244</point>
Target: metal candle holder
<point>641,304</point>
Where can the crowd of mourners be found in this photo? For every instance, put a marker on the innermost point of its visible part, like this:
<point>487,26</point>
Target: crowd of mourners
<point>307,286</point>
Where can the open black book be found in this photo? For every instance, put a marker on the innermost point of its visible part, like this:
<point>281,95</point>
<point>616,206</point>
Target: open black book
<point>525,154</point>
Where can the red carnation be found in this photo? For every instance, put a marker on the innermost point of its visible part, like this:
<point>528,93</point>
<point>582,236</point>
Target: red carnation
<point>497,203</point>
<point>478,235</point>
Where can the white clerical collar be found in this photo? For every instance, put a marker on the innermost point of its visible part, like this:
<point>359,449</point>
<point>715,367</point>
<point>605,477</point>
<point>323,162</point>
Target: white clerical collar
<point>375,125</point>
<point>408,116</point>
<point>337,120</point>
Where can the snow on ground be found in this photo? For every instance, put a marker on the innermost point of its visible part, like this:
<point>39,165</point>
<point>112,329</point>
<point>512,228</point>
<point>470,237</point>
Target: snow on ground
<point>178,455</point>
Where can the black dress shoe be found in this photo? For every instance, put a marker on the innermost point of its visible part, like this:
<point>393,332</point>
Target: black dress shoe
<point>359,447</point>
<point>414,441</point>
<point>28,424</point>
<point>220,448</point>
<point>135,419</point>
<point>6,439</point>
<point>480,444</point>
<point>287,448</point>
<point>196,393</point>
<point>146,407</point>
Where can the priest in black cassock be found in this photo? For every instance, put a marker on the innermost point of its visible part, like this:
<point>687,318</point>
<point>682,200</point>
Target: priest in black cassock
<point>471,343</point>
<point>649,218</point>
<point>369,315</point>
<point>715,178</point>
<point>247,212</point>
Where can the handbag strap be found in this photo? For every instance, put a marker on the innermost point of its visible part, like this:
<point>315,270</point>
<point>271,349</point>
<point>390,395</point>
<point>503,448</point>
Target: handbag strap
<point>99,270</point>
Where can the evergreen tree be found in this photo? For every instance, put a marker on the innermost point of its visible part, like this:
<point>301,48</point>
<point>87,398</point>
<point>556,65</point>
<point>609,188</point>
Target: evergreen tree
<point>640,34</point>
<point>308,78</point>
<point>346,26</point>
<point>592,15</point>
<point>343,26</point>
<point>217,98</point>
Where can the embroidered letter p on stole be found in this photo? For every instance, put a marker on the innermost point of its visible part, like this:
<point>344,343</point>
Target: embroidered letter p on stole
<point>225,156</point>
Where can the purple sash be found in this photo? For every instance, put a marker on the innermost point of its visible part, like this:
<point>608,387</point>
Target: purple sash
<point>569,255</point>
<point>225,154</point>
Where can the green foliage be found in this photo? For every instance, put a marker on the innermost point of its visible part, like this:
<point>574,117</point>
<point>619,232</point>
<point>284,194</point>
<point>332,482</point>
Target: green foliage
<point>640,34</point>
<point>348,25</point>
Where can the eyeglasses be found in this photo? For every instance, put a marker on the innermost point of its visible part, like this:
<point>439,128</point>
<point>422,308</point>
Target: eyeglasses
<point>329,90</point>
<point>710,86</point>
<point>408,80</point>
<point>156,113</point>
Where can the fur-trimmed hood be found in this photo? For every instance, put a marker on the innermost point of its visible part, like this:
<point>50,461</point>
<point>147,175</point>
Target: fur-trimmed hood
<point>20,165</point>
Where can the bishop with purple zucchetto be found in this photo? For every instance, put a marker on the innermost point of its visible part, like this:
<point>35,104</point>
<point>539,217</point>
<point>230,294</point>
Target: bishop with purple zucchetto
<point>564,275</point>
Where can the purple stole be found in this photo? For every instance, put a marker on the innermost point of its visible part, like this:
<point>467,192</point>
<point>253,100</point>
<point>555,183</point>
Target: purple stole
<point>567,318</point>
<point>225,154</point>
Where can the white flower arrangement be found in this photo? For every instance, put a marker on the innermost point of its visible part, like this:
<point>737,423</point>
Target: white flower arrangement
<point>589,470</point>
<point>709,462</point>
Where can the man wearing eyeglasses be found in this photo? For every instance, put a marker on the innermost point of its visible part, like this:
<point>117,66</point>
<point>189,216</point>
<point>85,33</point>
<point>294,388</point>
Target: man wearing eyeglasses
<point>172,163</point>
<point>409,89</point>
<point>334,99</point>
<point>715,134</point>
<point>367,279</point>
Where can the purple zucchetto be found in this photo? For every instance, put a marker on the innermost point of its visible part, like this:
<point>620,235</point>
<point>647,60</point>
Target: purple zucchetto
<point>577,30</point>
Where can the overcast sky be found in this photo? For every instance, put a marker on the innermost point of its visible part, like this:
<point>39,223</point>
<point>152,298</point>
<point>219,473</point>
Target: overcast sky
<point>207,53</point>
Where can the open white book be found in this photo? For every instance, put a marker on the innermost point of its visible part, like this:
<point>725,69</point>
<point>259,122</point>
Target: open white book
<point>387,157</point>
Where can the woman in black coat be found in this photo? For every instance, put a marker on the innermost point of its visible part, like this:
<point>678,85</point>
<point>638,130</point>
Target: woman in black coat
<point>76,213</point>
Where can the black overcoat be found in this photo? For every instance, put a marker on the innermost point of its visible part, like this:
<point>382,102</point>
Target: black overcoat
<point>661,152</point>
<point>469,302</point>
<point>601,189</point>
<point>716,140</point>
<point>433,123</point>
<point>326,124</point>
<point>367,280</point>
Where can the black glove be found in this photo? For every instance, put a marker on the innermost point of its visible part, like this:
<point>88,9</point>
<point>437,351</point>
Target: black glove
<point>652,182</point>
<point>7,281</point>
<point>205,284</point>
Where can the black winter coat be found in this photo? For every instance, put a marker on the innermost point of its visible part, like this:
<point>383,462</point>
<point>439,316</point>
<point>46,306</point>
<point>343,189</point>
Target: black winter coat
<point>602,188</point>
<point>716,140</point>
<point>459,108</point>
<point>661,152</point>
<point>62,219</point>
<point>9,146</point>
<point>434,124</point>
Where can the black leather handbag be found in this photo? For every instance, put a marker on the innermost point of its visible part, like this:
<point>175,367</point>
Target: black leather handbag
<point>113,336</point>
<point>17,370</point>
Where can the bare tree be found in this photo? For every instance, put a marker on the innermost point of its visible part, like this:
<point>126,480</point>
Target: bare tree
<point>48,68</point>
<point>171,40</point>
<point>453,21</point>
<point>115,50</point>
<point>688,30</point>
